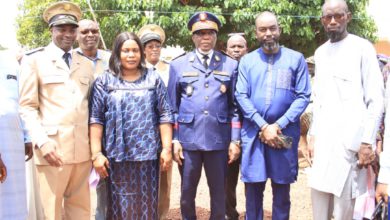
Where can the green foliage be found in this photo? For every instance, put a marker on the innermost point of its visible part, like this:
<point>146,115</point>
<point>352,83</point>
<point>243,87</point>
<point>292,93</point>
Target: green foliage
<point>299,20</point>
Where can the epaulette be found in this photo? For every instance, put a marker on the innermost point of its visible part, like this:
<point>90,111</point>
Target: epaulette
<point>29,52</point>
<point>165,61</point>
<point>179,56</point>
<point>226,54</point>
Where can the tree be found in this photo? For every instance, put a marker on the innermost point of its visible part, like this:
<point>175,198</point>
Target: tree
<point>299,19</point>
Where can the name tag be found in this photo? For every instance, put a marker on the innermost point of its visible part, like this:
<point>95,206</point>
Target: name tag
<point>190,74</point>
<point>216,72</point>
<point>9,76</point>
<point>53,79</point>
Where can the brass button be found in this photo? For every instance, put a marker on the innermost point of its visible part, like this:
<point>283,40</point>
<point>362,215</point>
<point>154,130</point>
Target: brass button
<point>206,98</point>
<point>206,85</point>
<point>205,112</point>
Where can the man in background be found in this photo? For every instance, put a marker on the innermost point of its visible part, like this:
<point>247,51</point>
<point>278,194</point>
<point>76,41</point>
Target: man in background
<point>88,38</point>
<point>236,47</point>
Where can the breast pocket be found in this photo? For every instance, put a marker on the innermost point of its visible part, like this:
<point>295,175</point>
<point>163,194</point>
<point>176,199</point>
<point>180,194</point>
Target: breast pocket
<point>188,85</point>
<point>224,81</point>
<point>284,79</point>
<point>186,127</point>
<point>344,85</point>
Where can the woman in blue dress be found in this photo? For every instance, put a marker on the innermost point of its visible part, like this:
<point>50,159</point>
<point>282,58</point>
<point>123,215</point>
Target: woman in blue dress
<point>130,123</point>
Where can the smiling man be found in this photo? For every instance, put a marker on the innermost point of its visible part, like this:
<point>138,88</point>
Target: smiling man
<point>347,107</point>
<point>201,88</point>
<point>54,86</point>
<point>88,37</point>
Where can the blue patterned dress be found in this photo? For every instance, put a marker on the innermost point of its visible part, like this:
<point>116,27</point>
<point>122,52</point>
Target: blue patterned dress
<point>131,113</point>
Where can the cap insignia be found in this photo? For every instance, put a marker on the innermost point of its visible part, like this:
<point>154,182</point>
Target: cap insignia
<point>203,16</point>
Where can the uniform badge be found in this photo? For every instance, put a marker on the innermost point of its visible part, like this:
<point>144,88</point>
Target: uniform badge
<point>223,88</point>
<point>189,90</point>
<point>217,58</point>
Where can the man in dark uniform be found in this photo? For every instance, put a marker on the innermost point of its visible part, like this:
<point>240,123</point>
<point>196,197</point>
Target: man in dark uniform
<point>207,124</point>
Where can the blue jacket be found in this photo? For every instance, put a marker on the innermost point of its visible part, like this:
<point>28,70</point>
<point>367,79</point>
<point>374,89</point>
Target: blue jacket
<point>206,117</point>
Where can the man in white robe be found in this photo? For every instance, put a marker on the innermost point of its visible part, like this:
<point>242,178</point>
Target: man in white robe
<point>348,104</point>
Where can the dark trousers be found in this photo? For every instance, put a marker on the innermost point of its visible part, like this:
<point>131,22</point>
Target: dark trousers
<point>280,202</point>
<point>215,165</point>
<point>230,190</point>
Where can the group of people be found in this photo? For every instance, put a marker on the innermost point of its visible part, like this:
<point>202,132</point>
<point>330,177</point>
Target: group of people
<point>115,120</point>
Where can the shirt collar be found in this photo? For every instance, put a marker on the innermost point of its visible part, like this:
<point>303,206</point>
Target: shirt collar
<point>99,55</point>
<point>58,52</point>
<point>200,55</point>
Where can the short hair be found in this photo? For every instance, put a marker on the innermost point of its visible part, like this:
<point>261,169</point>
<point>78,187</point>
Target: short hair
<point>115,64</point>
<point>343,2</point>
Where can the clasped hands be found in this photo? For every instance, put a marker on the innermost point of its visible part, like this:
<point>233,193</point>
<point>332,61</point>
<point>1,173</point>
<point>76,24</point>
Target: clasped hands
<point>269,135</point>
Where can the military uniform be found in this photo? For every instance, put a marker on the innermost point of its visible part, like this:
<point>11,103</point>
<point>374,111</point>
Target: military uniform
<point>148,33</point>
<point>54,104</point>
<point>206,121</point>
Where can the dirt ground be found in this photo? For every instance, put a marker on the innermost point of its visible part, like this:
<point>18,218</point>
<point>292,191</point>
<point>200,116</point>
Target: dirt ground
<point>300,199</point>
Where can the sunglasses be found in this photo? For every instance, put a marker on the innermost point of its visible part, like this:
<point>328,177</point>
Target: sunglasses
<point>86,31</point>
<point>337,17</point>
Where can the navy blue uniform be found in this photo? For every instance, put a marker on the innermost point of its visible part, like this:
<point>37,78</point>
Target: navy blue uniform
<point>206,120</point>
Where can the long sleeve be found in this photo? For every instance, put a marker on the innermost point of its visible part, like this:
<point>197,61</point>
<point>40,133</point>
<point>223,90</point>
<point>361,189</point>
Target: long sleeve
<point>234,110</point>
<point>29,101</point>
<point>174,97</point>
<point>302,95</point>
<point>373,89</point>
<point>243,94</point>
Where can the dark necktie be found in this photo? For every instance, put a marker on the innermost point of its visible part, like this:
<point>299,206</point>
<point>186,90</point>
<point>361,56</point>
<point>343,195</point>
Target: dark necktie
<point>66,58</point>
<point>205,58</point>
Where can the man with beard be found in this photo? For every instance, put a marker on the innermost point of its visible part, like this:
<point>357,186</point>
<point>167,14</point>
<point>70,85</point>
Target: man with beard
<point>273,90</point>
<point>88,38</point>
<point>347,107</point>
<point>206,133</point>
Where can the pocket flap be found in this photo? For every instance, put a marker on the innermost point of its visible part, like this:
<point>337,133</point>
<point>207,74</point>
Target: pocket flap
<point>186,118</point>
<point>84,80</point>
<point>51,130</point>
<point>222,118</point>
<point>222,78</point>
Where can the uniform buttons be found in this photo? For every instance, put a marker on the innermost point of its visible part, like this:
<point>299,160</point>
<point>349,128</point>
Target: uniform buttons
<point>205,112</point>
<point>206,85</point>
<point>206,98</point>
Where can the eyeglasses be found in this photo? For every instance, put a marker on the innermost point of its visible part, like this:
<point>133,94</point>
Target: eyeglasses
<point>86,31</point>
<point>337,17</point>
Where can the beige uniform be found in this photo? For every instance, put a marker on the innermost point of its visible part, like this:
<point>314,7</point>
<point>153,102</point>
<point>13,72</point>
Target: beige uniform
<point>54,105</point>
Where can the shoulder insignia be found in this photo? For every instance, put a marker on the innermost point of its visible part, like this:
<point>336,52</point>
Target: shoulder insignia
<point>216,72</point>
<point>192,58</point>
<point>179,56</point>
<point>29,52</point>
<point>189,74</point>
<point>224,53</point>
<point>217,58</point>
